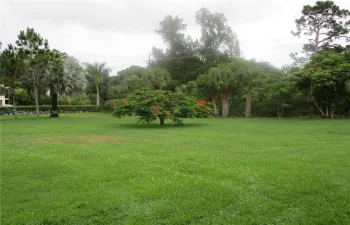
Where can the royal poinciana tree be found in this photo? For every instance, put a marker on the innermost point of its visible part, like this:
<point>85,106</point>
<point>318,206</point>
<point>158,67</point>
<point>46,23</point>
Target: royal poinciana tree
<point>151,105</point>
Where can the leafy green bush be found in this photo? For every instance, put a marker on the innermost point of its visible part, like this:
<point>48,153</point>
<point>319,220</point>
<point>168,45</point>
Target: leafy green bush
<point>82,99</point>
<point>45,109</point>
<point>109,106</point>
<point>151,105</point>
<point>23,97</point>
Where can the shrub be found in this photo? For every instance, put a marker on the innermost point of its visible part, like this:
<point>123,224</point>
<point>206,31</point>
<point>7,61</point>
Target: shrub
<point>108,106</point>
<point>23,97</point>
<point>46,109</point>
<point>82,99</point>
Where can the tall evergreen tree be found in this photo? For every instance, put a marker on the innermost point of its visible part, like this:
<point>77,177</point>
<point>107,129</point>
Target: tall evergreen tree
<point>39,61</point>
<point>324,22</point>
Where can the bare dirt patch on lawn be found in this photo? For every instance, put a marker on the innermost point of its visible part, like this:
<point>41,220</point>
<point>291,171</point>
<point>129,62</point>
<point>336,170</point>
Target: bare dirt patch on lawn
<point>79,140</point>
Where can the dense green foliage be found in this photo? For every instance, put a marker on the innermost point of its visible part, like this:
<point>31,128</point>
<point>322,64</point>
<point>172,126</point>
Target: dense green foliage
<point>209,67</point>
<point>93,169</point>
<point>151,105</point>
<point>325,78</point>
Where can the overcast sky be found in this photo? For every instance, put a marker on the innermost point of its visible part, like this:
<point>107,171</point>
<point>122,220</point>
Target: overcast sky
<point>121,32</point>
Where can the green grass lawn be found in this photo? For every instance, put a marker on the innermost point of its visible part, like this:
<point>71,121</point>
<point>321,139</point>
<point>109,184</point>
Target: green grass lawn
<point>97,169</point>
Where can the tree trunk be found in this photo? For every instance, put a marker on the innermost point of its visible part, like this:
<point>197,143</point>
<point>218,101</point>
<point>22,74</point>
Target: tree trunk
<point>327,104</point>
<point>36,101</point>
<point>311,98</point>
<point>9,95</point>
<point>280,111</point>
<point>161,119</point>
<point>14,104</point>
<point>13,94</point>
<point>225,106</point>
<point>97,99</point>
<point>311,109</point>
<point>248,104</point>
<point>97,96</point>
<point>319,108</point>
<point>317,41</point>
<point>54,106</point>
<point>215,106</point>
<point>332,111</point>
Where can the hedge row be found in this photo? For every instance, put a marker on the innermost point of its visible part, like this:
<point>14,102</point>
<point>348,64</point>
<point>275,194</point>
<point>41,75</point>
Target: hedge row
<point>46,109</point>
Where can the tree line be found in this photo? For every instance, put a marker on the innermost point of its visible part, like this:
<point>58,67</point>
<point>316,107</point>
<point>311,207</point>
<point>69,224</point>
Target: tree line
<point>210,68</point>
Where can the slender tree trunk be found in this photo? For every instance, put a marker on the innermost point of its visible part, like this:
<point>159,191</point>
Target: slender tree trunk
<point>14,93</point>
<point>97,95</point>
<point>54,105</point>
<point>161,119</point>
<point>332,111</point>
<point>36,101</point>
<point>14,103</point>
<point>327,104</point>
<point>248,104</point>
<point>311,109</point>
<point>317,41</point>
<point>280,111</point>
<point>9,95</point>
<point>319,108</point>
<point>225,106</point>
<point>215,106</point>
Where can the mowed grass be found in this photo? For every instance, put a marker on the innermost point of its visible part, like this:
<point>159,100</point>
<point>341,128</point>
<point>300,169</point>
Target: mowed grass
<point>97,169</point>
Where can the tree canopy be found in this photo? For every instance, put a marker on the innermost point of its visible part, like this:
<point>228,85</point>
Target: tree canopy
<point>208,67</point>
<point>151,105</point>
<point>324,22</point>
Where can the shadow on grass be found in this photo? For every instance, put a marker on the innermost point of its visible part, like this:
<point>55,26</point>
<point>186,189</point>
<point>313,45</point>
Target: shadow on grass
<point>157,126</point>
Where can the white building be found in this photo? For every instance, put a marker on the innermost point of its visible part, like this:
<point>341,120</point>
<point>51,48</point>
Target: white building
<point>3,99</point>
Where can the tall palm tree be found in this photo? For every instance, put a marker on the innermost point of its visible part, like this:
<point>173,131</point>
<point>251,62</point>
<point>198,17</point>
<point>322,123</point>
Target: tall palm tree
<point>97,71</point>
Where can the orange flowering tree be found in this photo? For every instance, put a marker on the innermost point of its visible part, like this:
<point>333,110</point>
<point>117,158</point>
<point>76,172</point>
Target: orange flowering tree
<point>151,105</point>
